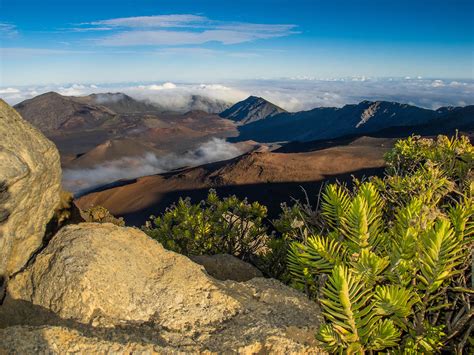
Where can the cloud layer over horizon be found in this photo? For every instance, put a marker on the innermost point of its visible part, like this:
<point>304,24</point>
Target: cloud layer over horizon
<point>294,94</point>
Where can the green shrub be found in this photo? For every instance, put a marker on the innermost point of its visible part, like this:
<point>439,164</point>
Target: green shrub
<point>289,227</point>
<point>454,156</point>
<point>389,261</point>
<point>213,226</point>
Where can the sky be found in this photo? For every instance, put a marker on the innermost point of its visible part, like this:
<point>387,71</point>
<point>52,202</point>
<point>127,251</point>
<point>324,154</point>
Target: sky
<point>52,42</point>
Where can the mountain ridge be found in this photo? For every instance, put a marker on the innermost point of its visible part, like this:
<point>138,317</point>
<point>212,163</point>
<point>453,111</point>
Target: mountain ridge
<point>252,109</point>
<point>366,117</point>
<point>120,103</point>
<point>69,113</point>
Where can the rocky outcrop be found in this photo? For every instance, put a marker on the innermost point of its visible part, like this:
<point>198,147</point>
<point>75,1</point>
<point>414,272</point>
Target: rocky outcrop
<point>30,176</point>
<point>109,277</point>
<point>102,288</point>
<point>104,275</point>
<point>227,267</point>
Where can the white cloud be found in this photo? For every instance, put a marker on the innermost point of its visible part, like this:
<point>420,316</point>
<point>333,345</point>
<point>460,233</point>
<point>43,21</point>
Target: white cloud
<point>90,29</point>
<point>159,38</point>
<point>155,87</point>
<point>9,91</point>
<point>179,97</point>
<point>213,87</point>
<point>73,90</point>
<point>437,83</point>
<point>181,29</point>
<point>179,20</point>
<point>185,21</point>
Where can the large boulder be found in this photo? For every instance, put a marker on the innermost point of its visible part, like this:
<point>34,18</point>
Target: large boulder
<point>106,275</point>
<point>30,177</point>
<point>99,283</point>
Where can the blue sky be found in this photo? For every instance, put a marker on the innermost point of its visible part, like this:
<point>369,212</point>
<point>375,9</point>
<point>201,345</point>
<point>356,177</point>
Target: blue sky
<point>51,41</point>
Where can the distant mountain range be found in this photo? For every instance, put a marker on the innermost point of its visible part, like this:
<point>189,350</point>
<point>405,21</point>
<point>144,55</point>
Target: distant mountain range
<point>79,124</point>
<point>368,117</point>
<point>52,111</point>
<point>257,119</point>
<point>251,110</point>
<point>95,129</point>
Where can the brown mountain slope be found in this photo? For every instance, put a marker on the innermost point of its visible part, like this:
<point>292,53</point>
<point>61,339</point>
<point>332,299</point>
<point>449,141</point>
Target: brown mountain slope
<point>111,150</point>
<point>79,124</point>
<point>268,177</point>
<point>51,112</point>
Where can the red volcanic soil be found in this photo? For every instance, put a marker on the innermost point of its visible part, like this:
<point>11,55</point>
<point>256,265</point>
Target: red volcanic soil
<point>268,177</point>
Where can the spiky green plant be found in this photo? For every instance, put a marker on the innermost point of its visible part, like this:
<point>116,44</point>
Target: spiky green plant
<point>390,266</point>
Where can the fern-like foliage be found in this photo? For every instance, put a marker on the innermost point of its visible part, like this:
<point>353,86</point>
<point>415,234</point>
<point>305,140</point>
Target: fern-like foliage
<point>395,301</point>
<point>370,267</point>
<point>354,325</point>
<point>394,259</point>
<point>347,305</point>
<point>318,255</point>
<point>439,255</point>
<point>335,204</point>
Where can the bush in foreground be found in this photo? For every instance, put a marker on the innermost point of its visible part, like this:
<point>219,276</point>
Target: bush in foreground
<point>391,261</point>
<point>213,226</point>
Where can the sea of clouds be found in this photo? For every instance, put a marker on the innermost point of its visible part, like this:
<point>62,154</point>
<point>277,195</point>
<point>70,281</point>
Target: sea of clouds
<point>79,181</point>
<point>292,94</point>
